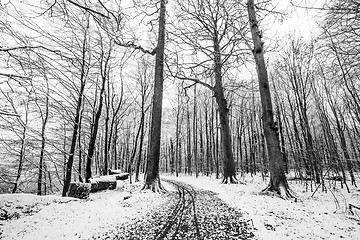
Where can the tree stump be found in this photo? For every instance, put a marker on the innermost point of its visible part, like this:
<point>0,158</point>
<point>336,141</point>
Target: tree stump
<point>79,190</point>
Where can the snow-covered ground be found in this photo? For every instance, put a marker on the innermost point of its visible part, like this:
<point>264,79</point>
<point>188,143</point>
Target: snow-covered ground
<point>57,218</point>
<point>316,217</point>
<point>53,217</point>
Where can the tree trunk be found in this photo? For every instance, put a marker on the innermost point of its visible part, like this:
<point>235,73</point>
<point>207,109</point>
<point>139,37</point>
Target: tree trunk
<point>188,168</point>
<point>70,161</point>
<point>278,182</point>
<point>177,136</point>
<point>107,137</point>
<point>22,153</point>
<point>152,180</point>
<point>228,157</point>
<point>91,149</point>
<point>80,162</point>
<point>345,149</point>
<point>142,123</point>
<point>134,151</point>
<point>282,138</point>
<point>43,139</point>
<point>195,136</point>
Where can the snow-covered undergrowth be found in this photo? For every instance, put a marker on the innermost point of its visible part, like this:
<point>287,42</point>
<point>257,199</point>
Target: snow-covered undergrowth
<point>57,218</point>
<point>318,217</point>
<point>324,216</point>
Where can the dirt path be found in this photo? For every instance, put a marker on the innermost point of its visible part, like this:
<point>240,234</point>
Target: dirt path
<point>190,214</point>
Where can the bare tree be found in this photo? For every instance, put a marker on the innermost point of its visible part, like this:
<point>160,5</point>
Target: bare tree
<point>152,179</point>
<point>44,119</point>
<point>82,78</point>
<point>213,32</point>
<point>104,65</point>
<point>278,182</point>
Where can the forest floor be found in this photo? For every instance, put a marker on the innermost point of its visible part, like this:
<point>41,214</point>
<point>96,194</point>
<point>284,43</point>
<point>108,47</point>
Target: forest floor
<point>323,216</point>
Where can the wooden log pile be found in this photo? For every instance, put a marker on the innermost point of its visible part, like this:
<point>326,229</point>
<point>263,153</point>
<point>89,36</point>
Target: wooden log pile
<point>79,190</point>
<point>82,190</point>
<point>120,175</point>
<point>102,183</point>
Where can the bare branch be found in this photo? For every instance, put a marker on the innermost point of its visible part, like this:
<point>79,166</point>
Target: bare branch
<point>136,47</point>
<point>195,80</point>
<point>102,4</point>
<point>13,76</point>
<point>9,114</point>
<point>88,9</point>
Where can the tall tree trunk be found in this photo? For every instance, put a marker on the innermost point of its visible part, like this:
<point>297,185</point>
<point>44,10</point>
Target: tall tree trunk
<point>134,151</point>
<point>44,117</point>
<point>177,136</point>
<point>104,75</point>
<point>172,156</point>
<point>282,138</point>
<point>70,161</point>
<point>152,179</point>
<point>73,142</point>
<point>278,182</point>
<point>142,132</point>
<point>188,168</point>
<point>228,156</point>
<point>80,162</point>
<point>107,137</point>
<point>22,150</point>
<point>345,149</point>
<point>201,144</point>
<point>195,136</point>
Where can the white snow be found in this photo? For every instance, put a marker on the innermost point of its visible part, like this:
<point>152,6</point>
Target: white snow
<point>274,218</point>
<point>54,217</point>
<point>70,218</point>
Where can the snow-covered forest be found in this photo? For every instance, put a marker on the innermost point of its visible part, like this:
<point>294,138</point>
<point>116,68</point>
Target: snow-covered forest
<point>185,119</point>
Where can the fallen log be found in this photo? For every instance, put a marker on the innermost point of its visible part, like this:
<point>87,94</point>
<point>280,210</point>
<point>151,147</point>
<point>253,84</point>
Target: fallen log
<point>79,190</point>
<point>118,172</point>
<point>122,176</point>
<point>98,184</point>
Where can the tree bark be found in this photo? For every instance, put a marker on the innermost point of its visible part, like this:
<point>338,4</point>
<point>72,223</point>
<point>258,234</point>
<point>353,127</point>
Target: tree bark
<point>152,179</point>
<point>278,182</point>
<point>228,156</point>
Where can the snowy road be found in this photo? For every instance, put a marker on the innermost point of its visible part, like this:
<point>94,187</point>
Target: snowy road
<point>190,214</point>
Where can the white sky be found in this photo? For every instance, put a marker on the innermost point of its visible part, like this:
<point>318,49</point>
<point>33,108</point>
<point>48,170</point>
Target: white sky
<point>299,21</point>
